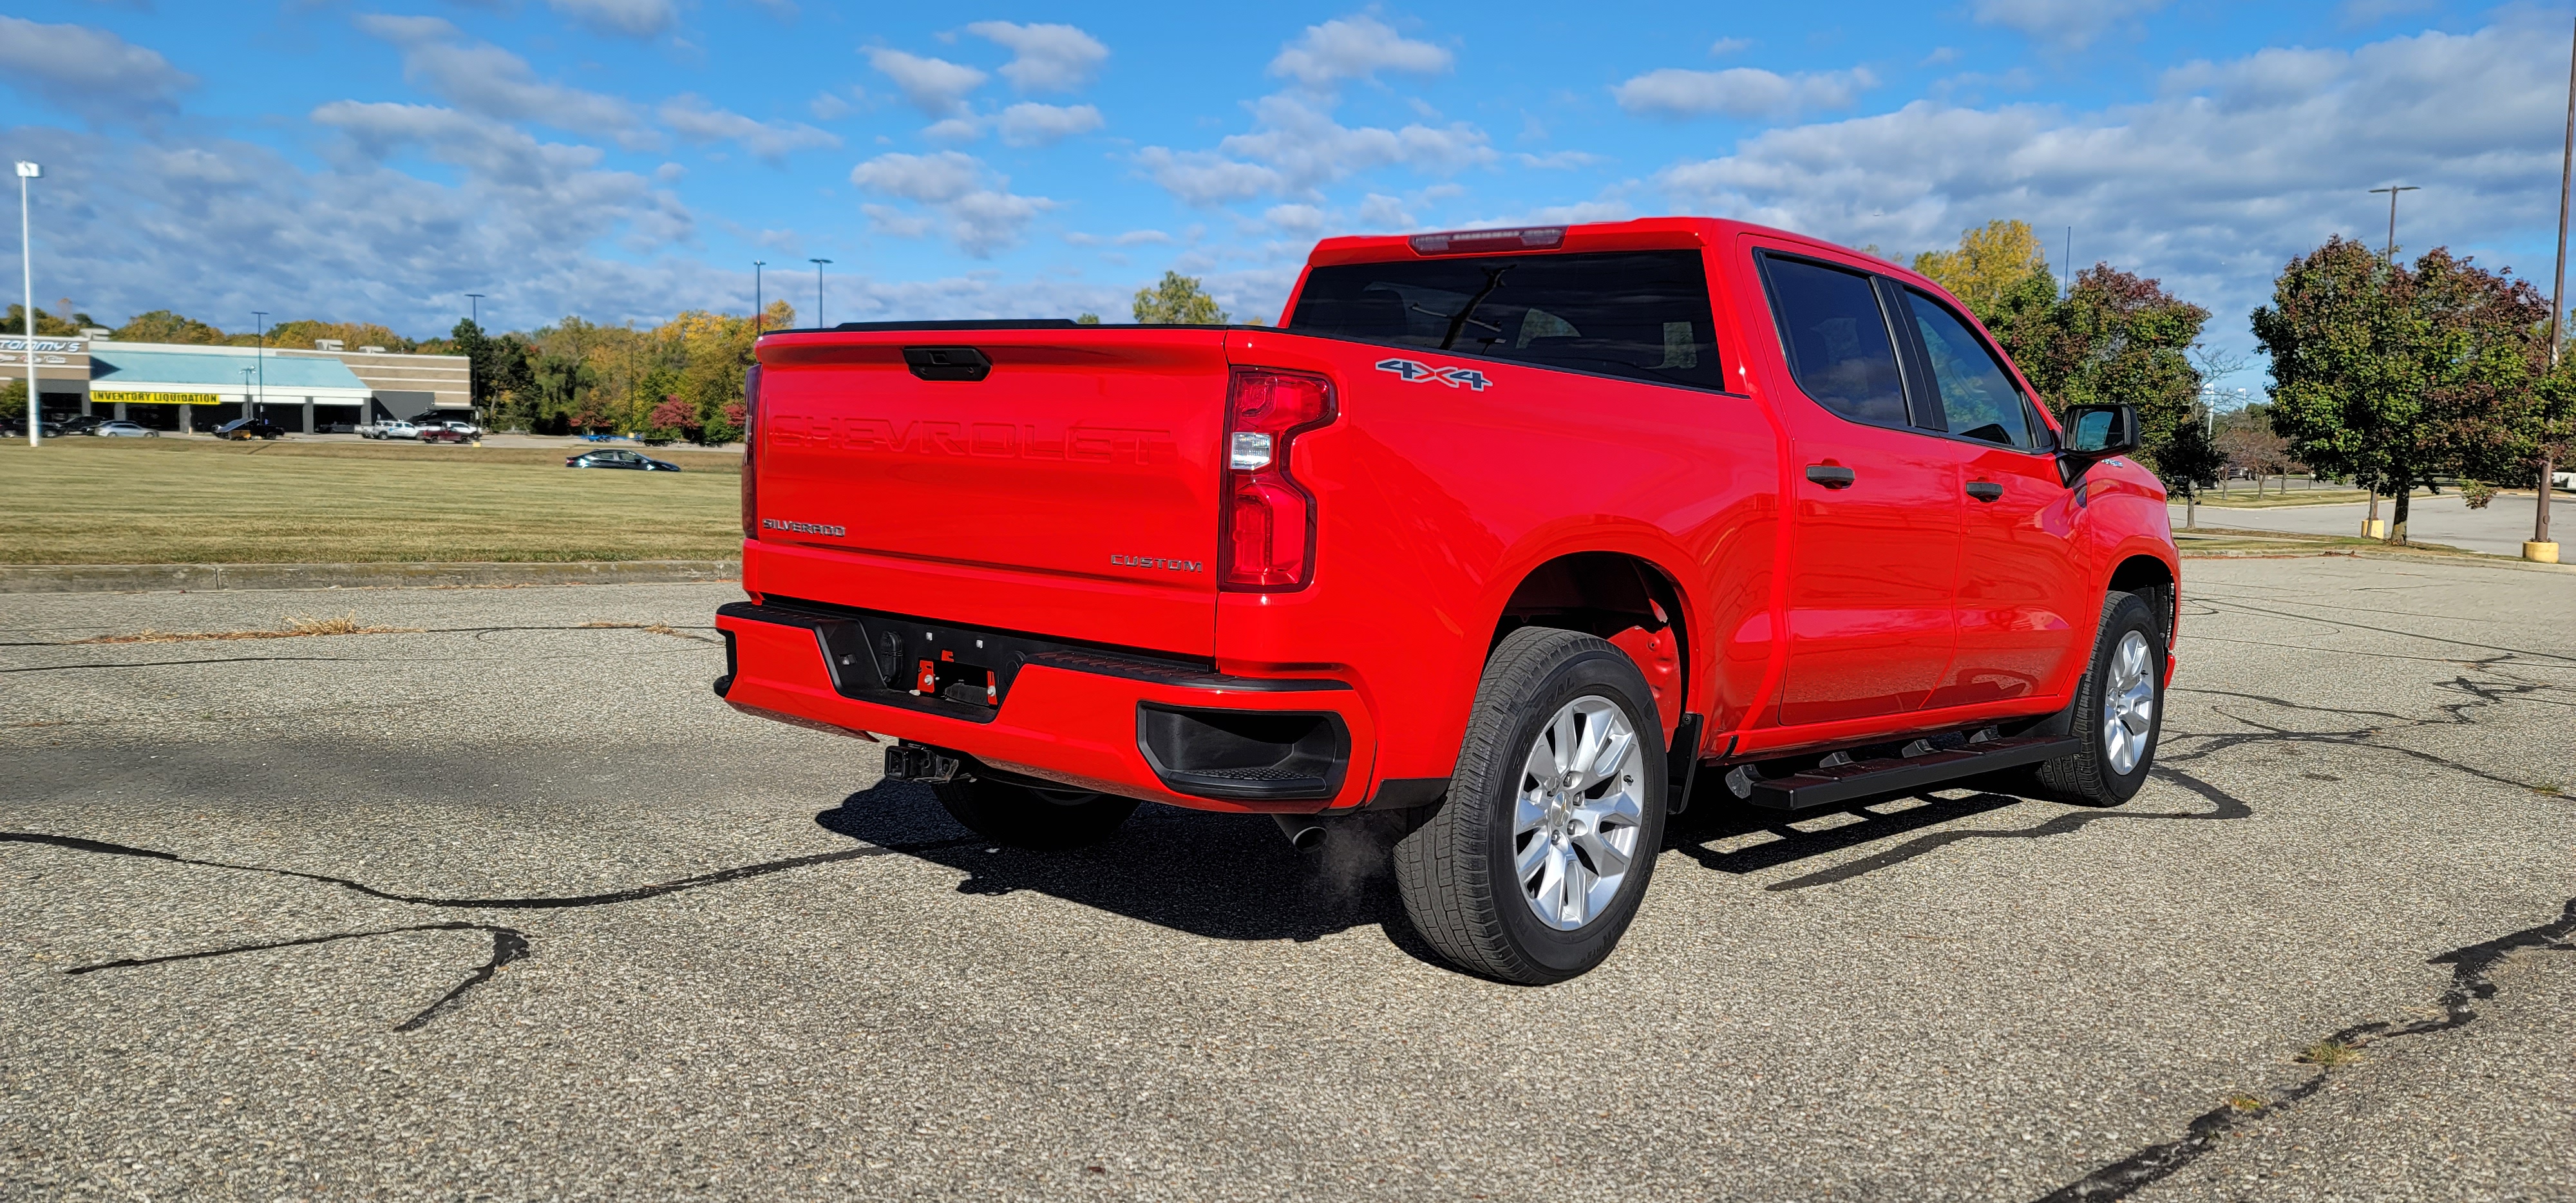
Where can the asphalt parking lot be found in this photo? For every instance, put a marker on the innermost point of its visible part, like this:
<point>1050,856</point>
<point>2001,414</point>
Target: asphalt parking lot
<point>510,906</point>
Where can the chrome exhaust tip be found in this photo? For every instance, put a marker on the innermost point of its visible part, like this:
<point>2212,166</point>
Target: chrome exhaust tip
<point>1305,832</point>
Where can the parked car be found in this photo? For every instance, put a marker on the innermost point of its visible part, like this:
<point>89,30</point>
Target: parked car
<point>388,430</point>
<point>442,434</point>
<point>460,425</point>
<point>125,430</point>
<point>1501,541</point>
<point>620,459</point>
<point>80,424</point>
<point>16,428</point>
<point>240,429</point>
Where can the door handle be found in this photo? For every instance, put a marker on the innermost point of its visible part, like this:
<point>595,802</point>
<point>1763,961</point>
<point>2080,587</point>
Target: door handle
<point>1985,490</point>
<point>1830,476</point>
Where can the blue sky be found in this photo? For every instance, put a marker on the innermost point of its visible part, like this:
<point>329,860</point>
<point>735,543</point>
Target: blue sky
<point>625,159</point>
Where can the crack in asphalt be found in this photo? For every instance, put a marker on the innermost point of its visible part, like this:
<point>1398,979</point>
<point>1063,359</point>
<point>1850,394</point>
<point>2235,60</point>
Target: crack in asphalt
<point>65,668</point>
<point>2471,982</point>
<point>508,944</point>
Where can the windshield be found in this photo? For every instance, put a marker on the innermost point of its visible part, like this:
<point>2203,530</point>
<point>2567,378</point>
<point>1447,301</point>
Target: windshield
<point>1640,314</point>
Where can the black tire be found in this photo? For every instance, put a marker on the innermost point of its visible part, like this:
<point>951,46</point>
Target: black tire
<point>1455,871</point>
<point>2092,777</point>
<point>1042,819</point>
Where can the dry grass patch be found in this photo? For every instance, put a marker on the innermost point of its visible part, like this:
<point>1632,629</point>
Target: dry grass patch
<point>180,501</point>
<point>295,626</point>
<point>2330,1054</point>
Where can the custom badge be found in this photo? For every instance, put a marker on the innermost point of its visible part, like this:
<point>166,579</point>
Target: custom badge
<point>1423,373</point>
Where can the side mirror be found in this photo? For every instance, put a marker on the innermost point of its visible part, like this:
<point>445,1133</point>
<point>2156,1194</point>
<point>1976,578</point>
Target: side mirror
<point>2095,433</point>
<point>2101,431</point>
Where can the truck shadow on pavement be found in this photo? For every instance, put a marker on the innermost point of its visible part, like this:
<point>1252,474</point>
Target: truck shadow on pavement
<point>1221,876</point>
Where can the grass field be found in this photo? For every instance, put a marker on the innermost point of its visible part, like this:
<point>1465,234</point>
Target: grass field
<point>190,501</point>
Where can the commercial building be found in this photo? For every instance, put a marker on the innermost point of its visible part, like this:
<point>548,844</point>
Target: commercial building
<point>180,387</point>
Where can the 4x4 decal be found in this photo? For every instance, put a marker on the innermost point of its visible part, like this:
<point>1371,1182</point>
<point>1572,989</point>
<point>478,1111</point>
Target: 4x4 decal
<point>1423,373</point>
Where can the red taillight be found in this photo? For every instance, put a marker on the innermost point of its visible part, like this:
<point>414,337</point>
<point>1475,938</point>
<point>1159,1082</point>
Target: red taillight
<point>750,448</point>
<point>1267,542</point>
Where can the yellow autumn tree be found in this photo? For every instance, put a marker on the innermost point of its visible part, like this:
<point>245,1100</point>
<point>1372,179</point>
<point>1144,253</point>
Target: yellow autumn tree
<point>1993,261</point>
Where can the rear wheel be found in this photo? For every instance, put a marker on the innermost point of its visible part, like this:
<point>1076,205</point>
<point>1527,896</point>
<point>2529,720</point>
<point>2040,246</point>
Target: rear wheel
<point>2118,712</point>
<point>1535,864</point>
<point>1024,816</point>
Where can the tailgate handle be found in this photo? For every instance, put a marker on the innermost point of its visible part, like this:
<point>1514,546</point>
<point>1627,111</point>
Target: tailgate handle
<point>947,363</point>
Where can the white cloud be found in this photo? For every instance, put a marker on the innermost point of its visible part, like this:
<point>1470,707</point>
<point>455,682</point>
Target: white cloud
<point>954,129</point>
<point>1563,160</point>
<point>2236,167</point>
<point>1726,46</point>
<point>482,78</point>
<point>935,86</point>
<point>976,209</point>
<point>1296,147</point>
<point>1045,58</point>
<point>772,141</point>
<point>930,179</point>
<point>624,18</point>
<point>1295,219</point>
<point>2064,24</point>
<point>1355,48</point>
<point>225,227</point>
<point>829,106</point>
<point>1740,92</point>
<point>90,72</point>
<point>1027,124</point>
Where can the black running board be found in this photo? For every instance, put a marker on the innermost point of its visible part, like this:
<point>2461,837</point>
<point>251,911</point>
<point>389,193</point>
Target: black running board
<point>1843,783</point>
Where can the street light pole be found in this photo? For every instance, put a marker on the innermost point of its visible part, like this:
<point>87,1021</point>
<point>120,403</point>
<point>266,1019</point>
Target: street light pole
<point>818,291</point>
<point>758,303</point>
<point>2542,548</point>
<point>2370,526</point>
<point>259,359</point>
<point>27,262</point>
<point>2392,216</point>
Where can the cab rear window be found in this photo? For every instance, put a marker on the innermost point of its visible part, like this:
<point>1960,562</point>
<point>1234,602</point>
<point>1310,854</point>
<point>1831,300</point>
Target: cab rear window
<point>1639,314</point>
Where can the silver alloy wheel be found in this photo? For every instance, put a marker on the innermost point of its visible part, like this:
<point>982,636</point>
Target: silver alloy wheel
<point>1578,813</point>
<point>2128,703</point>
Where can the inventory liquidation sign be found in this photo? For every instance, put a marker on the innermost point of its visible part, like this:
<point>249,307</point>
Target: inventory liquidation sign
<point>135,398</point>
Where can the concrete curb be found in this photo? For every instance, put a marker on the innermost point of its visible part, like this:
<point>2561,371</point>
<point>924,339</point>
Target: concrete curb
<point>185,578</point>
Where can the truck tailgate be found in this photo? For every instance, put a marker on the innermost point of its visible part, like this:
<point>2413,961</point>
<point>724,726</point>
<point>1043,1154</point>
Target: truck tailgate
<point>1070,491</point>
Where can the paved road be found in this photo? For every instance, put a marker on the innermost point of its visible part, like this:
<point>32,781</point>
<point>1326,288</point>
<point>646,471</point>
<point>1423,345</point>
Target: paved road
<point>512,908</point>
<point>2497,530</point>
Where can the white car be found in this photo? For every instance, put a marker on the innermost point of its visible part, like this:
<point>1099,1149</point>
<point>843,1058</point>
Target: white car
<point>389,430</point>
<point>124,430</point>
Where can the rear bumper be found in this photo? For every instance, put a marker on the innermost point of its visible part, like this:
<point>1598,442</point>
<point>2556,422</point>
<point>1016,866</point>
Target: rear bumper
<point>1069,714</point>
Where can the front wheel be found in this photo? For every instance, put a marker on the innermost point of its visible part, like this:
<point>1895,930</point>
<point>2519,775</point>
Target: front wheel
<point>1024,816</point>
<point>1533,867</point>
<point>2118,712</point>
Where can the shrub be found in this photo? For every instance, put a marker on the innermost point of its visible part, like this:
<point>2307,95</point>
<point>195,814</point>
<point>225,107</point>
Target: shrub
<point>2477,493</point>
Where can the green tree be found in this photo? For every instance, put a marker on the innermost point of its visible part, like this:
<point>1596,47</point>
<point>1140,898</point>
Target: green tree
<point>164,326</point>
<point>2118,337</point>
<point>1087,319</point>
<point>1176,300</point>
<point>1994,261</point>
<point>2391,373</point>
<point>47,324</point>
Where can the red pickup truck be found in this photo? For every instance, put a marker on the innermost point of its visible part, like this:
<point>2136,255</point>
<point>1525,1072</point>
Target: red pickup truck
<point>1509,536</point>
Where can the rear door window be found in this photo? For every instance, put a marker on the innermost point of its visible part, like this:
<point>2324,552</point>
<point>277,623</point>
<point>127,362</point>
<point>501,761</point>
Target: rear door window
<point>1978,397</point>
<point>1639,314</point>
<point>1837,340</point>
